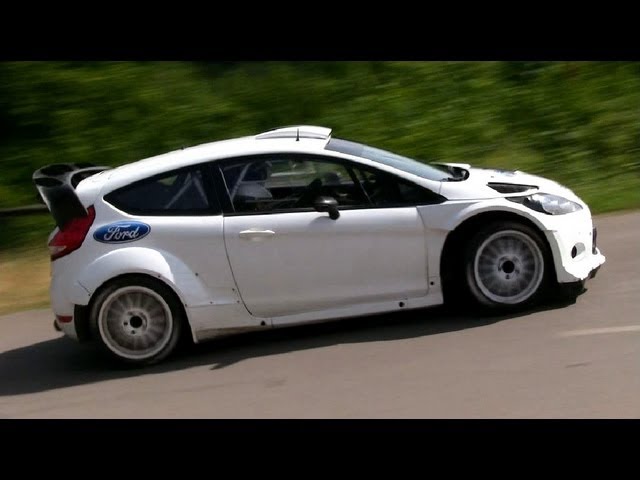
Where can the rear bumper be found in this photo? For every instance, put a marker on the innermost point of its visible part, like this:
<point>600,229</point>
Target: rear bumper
<point>78,327</point>
<point>68,328</point>
<point>65,299</point>
<point>62,307</point>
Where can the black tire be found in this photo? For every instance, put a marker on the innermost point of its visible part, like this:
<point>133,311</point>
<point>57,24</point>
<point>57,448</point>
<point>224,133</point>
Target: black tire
<point>502,266</point>
<point>114,331</point>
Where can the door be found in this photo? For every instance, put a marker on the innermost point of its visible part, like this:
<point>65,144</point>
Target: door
<point>288,258</point>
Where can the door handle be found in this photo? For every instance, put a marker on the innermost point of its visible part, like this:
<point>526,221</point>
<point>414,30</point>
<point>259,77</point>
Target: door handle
<point>256,234</point>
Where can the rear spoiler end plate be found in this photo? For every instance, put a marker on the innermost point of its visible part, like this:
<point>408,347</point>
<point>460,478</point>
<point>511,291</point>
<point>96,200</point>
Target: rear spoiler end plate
<point>56,186</point>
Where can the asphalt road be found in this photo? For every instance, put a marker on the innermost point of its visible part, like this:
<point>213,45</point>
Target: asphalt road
<point>580,360</point>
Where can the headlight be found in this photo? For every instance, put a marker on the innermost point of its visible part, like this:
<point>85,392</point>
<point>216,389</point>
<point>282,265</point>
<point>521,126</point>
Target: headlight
<point>547,203</point>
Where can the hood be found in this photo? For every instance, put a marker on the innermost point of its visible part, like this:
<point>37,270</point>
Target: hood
<point>492,182</point>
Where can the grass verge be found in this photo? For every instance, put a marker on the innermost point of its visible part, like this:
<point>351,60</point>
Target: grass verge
<point>24,279</point>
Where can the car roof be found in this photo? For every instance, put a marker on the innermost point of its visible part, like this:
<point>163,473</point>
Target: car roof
<point>295,139</point>
<point>307,139</point>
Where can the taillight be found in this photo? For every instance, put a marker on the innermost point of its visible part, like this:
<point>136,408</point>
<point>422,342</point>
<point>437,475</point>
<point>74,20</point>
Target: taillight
<point>71,236</point>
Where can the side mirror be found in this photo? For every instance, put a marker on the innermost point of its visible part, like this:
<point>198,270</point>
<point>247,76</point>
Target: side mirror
<point>327,204</point>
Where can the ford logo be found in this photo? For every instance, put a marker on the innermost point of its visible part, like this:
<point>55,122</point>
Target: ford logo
<point>121,232</point>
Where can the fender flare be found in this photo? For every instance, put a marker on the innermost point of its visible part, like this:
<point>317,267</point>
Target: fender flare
<point>475,209</point>
<point>158,264</point>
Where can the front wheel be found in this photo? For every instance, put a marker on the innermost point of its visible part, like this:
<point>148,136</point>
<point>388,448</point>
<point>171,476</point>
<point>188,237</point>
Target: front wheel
<point>505,266</point>
<point>136,320</point>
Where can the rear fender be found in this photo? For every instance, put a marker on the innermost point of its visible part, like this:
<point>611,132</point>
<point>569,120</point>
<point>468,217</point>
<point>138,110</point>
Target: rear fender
<point>162,265</point>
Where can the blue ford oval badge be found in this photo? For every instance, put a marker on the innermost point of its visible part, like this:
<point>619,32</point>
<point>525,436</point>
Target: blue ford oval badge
<point>122,232</point>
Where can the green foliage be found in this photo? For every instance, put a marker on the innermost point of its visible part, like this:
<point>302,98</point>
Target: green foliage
<point>576,122</point>
<point>25,233</point>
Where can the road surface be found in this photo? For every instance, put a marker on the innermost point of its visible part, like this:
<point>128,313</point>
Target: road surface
<point>565,361</point>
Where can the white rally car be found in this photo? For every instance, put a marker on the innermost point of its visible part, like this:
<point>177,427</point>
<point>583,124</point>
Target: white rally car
<point>293,226</point>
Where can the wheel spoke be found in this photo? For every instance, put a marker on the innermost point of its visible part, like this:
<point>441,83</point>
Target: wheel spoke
<point>147,303</point>
<point>508,267</point>
<point>121,306</point>
<point>148,317</point>
<point>493,252</point>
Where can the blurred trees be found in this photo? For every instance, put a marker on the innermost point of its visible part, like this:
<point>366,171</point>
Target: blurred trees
<point>576,122</point>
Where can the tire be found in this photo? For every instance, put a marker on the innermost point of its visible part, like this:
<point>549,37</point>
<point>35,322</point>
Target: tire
<point>137,320</point>
<point>506,266</point>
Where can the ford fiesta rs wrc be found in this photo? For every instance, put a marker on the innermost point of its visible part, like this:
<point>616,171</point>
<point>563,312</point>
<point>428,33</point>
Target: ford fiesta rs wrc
<point>293,226</point>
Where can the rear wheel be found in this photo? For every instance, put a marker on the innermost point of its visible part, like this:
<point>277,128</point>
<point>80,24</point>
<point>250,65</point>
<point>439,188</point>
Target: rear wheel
<point>506,266</point>
<point>137,320</point>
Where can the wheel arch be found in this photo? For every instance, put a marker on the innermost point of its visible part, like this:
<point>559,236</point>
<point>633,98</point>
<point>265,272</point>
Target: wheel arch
<point>81,312</point>
<point>456,238</point>
<point>154,264</point>
<point>146,261</point>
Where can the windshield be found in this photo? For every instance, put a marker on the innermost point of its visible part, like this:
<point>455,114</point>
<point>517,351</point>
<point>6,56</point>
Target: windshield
<point>430,172</point>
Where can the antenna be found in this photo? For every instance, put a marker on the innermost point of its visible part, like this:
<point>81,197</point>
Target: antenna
<point>298,135</point>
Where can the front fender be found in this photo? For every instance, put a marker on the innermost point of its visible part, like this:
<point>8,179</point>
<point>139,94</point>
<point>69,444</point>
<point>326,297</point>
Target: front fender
<point>449,216</point>
<point>442,219</point>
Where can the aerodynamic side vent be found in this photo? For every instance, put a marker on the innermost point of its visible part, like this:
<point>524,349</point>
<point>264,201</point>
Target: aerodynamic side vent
<point>297,131</point>
<point>511,187</point>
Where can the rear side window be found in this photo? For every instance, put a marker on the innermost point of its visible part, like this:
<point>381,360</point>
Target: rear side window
<point>181,192</point>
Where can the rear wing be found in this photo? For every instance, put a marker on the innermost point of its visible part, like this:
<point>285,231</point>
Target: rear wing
<point>56,186</point>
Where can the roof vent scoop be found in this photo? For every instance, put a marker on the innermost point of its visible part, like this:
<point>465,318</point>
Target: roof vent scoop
<point>297,132</point>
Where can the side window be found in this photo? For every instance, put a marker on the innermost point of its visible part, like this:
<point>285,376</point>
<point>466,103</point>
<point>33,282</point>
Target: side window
<point>280,184</point>
<point>181,192</point>
<point>386,190</point>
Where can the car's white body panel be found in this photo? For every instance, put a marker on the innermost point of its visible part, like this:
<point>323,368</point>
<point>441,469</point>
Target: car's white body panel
<point>313,263</point>
<point>311,268</point>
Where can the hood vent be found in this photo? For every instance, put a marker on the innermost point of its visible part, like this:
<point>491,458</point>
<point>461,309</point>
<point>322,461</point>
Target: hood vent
<point>510,187</point>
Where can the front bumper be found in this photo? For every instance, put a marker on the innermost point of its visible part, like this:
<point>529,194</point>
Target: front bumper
<point>593,272</point>
<point>575,253</point>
